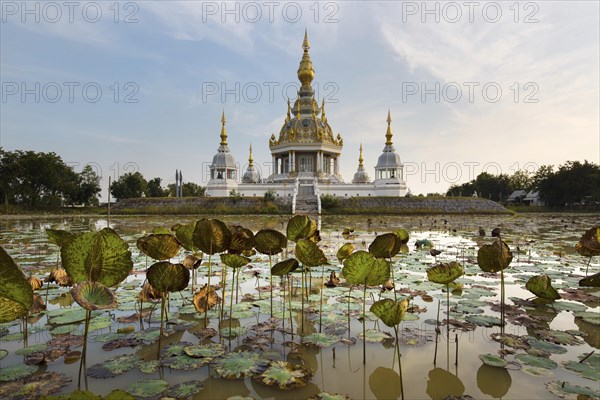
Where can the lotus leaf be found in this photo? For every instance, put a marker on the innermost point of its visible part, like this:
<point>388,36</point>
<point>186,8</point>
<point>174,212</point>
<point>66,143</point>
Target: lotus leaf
<point>589,369</point>
<point>589,243</point>
<point>185,390</point>
<point>309,253</point>
<point>445,273</point>
<point>185,235</point>
<point>284,267</point>
<point>94,296</point>
<point>535,361</point>
<point>183,362</point>
<point>16,294</point>
<point>58,237</point>
<point>159,246</point>
<point>545,346</point>
<point>149,367</point>
<point>541,286</point>
<point>492,381</point>
<point>234,260</point>
<point>204,299</point>
<point>240,364</point>
<point>300,227</point>
<point>494,257</point>
<point>566,390</point>
<point>15,372</point>
<point>589,316</point>
<point>559,337</point>
<point>31,349</point>
<point>147,387</point>
<point>375,336</point>
<point>423,244</point>
<point>362,268</point>
<point>37,386</point>
<point>592,280</point>
<point>97,256</point>
<point>510,340</point>
<point>385,246</point>
<point>114,366</point>
<point>320,339</point>
<point>484,320</point>
<point>344,251</point>
<point>35,282</point>
<point>3,353</point>
<point>402,235</point>
<point>60,276</point>
<point>242,239</point>
<point>493,360</point>
<point>389,311</point>
<point>284,376</point>
<point>167,277</point>
<point>211,236</point>
<point>269,241</point>
<point>212,350</point>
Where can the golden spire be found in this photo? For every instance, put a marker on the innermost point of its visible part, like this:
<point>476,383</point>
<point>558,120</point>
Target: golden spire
<point>306,72</point>
<point>323,117</point>
<point>388,134</point>
<point>223,130</point>
<point>360,158</point>
<point>250,159</point>
<point>298,109</point>
<point>288,110</point>
<point>314,111</point>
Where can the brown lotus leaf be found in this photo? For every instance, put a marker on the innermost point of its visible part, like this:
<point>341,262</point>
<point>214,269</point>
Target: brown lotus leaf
<point>59,275</point>
<point>35,282</point>
<point>149,293</point>
<point>119,343</point>
<point>38,304</point>
<point>333,280</point>
<point>34,386</point>
<point>37,358</point>
<point>192,262</point>
<point>72,356</point>
<point>65,341</point>
<point>135,317</point>
<point>205,333</point>
<point>205,299</point>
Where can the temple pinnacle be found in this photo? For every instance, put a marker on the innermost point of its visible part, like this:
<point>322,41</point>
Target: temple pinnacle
<point>388,134</point>
<point>223,130</point>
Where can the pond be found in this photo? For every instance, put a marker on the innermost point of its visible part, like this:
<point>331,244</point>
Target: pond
<point>318,336</point>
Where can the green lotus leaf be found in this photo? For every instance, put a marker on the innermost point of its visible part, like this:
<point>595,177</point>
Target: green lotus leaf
<point>344,251</point>
<point>97,256</point>
<point>423,244</point>
<point>94,296</point>
<point>589,243</point>
<point>284,267</point>
<point>16,294</point>
<point>589,316</point>
<point>309,253</point>
<point>535,361</point>
<point>375,336</point>
<point>484,320</point>
<point>211,236</point>
<point>185,235</point>
<point>15,372</point>
<point>211,350</point>
<point>185,390</point>
<point>494,257</point>
<point>445,273</point>
<point>234,261</point>
<point>586,369</point>
<point>385,246</point>
<point>300,227</point>
<point>182,362</point>
<point>167,277</point>
<point>58,236</point>
<point>389,311</point>
<point>402,235</point>
<point>114,366</point>
<point>362,268</point>
<point>541,286</point>
<point>147,387</point>
<point>242,239</point>
<point>3,353</point>
<point>240,364</point>
<point>493,360</point>
<point>320,339</point>
<point>545,346</point>
<point>510,340</point>
<point>159,246</point>
<point>566,390</point>
<point>284,375</point>
<point>559,337</point>
<point>269,241</point>
<point>592,280</point>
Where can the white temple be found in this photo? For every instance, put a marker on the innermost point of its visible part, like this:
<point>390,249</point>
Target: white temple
<point>305,157</point>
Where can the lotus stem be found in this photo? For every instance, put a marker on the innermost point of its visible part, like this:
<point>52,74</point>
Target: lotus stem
<point>456,356</point>
<point>208,287</point>
<point>364,323</point>
<point>230,307</point>
<point>302,296</point>
<point>224,283</point>
<point>271,283</point>
<point>88,314</point>
<point>321,302</point>
<point>437,332</point>
<point>447,311</point>
<point>290,279</point>
<point>502,300</point>
<point>399,362</point>
<point>349,294</point>
<point>393,280</point>
<point>162,318</point>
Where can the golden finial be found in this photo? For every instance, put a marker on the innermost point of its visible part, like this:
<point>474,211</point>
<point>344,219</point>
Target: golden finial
<point>323,117</point>
<point>388,134</point>
<point>223,130</point>
<point>288,111</point>
<point>314,111</point>
<point>360,157</point>
<point>306,72</point>
<point>298,108</point>
<point>250,159</point>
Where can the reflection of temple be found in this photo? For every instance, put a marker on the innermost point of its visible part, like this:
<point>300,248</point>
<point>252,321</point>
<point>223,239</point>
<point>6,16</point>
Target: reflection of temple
<point>305,156</point>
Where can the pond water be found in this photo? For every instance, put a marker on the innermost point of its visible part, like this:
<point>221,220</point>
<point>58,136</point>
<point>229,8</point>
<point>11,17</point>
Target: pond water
<point>329,343</point>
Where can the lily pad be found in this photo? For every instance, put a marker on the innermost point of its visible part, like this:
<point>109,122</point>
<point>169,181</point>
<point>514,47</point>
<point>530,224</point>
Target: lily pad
<point>566,390</point>
<point>329,396</point>
<point>36,386</point>
<point>284,376</point>
<point>212,350</point>
<point>375,336</point>
<point>493,360</point>
<point>240,364</point>
<point>159,246</point>
<point>3,353</point>
<point>147,387</point>
<point>445,273</point>
<point>589,316</point>
<point>534,361</point>
<point>484,320</point>
<point>590,368</point>
<point>559,337</point>
<point>389,311</point>
<point>541,286</point>
<point>362,268</point>
<point>510,340</point>
<point>114,366</point>
<point>185,390</point>
<point>320,339</point>
<point>15,372</point>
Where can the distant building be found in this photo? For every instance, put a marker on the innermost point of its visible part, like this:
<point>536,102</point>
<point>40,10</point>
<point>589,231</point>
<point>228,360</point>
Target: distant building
<point>305,156</point>
<point>533,199</point>
<point>517,197</point>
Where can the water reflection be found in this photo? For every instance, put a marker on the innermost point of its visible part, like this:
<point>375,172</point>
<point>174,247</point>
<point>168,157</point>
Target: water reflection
<point>442,383</point>
<point>385,383</point>
<point>493,381</point>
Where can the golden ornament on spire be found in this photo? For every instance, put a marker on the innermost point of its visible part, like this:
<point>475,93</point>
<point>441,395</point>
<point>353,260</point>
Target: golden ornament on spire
<point>388,134</point>
<point>223,130</point>
<point>288,111</point>
<point>250,159</point>
<point>360,157</point>
<point>306,72</point>
<point>323,110</point>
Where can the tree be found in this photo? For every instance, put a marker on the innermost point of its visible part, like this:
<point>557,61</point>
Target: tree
<point>89,186</point>
<point>573,183</point>
<point>521,180</point>
<point>188,189</point>
<point>129,185</point>
<point>155,189</point>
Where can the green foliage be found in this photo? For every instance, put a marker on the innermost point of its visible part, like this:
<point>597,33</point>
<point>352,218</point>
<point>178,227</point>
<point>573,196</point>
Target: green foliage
<point>329,202</point>
<point>494,257</point>
<point>541,286</point>
<point>309,253</point>
<point>188,189</point>
<point>211,236</point>
<point>155,189</point>
<point>167,277</point>
<point>16,295</point>
<point>390,312</point>
<point>573,184</point>
<point>361,268</point>
<point>129,185</point>
<point>445,273</point>
<point>269,195</point>
<point>94,296</point>
<point>159,246</point>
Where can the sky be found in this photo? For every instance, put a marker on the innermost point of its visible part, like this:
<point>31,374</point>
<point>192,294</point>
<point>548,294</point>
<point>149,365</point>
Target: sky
<point>140,85</point>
